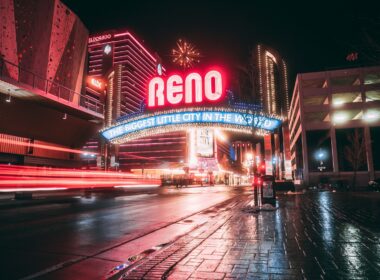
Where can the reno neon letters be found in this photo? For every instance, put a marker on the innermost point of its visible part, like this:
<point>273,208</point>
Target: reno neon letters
<point>192,89</point>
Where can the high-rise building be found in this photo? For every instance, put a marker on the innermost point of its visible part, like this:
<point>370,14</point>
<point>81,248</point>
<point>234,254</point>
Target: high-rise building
<point>122,60</point>
<point>271,83</point>
<point>113,48</point>
<point>271,90</point>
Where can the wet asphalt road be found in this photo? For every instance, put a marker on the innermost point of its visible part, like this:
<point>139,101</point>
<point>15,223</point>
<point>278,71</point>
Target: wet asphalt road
<point>341,229</point>
<point>37,237</point>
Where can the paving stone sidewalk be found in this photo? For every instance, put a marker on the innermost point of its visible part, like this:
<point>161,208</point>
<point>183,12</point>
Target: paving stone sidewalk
<point>307,237</point>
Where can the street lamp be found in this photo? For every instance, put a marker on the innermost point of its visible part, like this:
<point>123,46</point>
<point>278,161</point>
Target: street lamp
<point>340,117</point>
<point>320,156</point>
<point>371,116</point>
<point>249,157</point>
<point>274,160</point>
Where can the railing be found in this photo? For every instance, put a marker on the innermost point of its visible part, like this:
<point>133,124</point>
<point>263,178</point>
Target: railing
<point>49,87</point>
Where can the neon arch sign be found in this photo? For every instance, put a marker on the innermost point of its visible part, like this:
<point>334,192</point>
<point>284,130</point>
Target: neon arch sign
<point>148,124</point>
<point>179,102</point>
<point>193,89</point>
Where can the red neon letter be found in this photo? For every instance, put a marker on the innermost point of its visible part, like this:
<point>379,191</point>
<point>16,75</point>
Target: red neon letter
<point>156,90</point>
<point>174,88</point>
<point>189,88</point>
<point>213,85</point>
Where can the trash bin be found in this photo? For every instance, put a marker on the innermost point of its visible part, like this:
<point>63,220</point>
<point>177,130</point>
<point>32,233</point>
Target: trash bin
<point>268,192</point>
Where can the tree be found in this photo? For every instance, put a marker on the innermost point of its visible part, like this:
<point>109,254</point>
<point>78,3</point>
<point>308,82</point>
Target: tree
<point>355,152</point>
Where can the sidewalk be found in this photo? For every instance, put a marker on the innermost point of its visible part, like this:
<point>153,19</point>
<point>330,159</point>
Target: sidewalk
<point>231,245</point>
<point>292,242</point>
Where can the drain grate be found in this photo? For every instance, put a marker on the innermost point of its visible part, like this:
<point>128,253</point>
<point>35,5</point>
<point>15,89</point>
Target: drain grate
<point>131,260</point>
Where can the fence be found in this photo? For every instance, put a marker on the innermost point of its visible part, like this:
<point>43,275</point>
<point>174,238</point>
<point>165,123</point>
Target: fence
<point>18,74</point>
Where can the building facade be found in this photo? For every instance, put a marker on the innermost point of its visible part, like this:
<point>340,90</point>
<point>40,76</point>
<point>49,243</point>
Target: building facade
<point>271,90</point>
<point>271,81</point>
<point>44,116</point>
<point>334,122</point>
<point>122,62</point>
<point>46,38</point>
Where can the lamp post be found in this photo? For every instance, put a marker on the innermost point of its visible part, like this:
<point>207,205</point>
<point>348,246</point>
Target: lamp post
<point>320,156</point>
<point>274,163</point>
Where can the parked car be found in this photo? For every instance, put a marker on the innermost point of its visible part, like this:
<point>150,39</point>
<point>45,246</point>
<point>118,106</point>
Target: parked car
<point>340,185</point>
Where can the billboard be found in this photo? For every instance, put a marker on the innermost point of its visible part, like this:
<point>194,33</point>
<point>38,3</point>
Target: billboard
<point>204,142</point>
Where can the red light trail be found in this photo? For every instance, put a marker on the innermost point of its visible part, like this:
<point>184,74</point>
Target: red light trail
<point>18,178</point>
<point>43,146</point>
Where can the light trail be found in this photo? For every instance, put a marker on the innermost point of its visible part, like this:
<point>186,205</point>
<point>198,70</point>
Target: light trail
<point>46,147</point>
<point>30,178</point>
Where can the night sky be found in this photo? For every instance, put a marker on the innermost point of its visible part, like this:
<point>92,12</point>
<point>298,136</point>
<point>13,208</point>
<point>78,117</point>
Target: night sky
<point>310,35</point>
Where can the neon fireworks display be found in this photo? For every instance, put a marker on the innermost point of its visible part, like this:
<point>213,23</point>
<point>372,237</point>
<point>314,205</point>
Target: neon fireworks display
<point>185,54</point>
<point>180,119</point>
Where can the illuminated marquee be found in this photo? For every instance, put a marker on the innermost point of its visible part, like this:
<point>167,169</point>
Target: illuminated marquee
<point>195,97</point>
<point>203,142</point>
<point>95,83</point>
<point>191,89</point>
<point>224,118</point>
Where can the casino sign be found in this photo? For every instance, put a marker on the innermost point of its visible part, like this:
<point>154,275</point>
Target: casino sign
<point>177,103</point>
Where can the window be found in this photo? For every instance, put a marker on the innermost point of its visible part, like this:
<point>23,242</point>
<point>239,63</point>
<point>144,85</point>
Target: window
<point>372,79</point>
<point>339,99</point>
<point>343,116</point>
<point>314,83</point>
<point>372,95</point>
<point>315,100</point>
<point>351,80</point>
<point>317,117</point>
<point>345,139</point>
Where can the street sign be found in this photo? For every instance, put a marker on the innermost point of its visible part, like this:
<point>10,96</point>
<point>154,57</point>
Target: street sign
<point>268,189</point>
